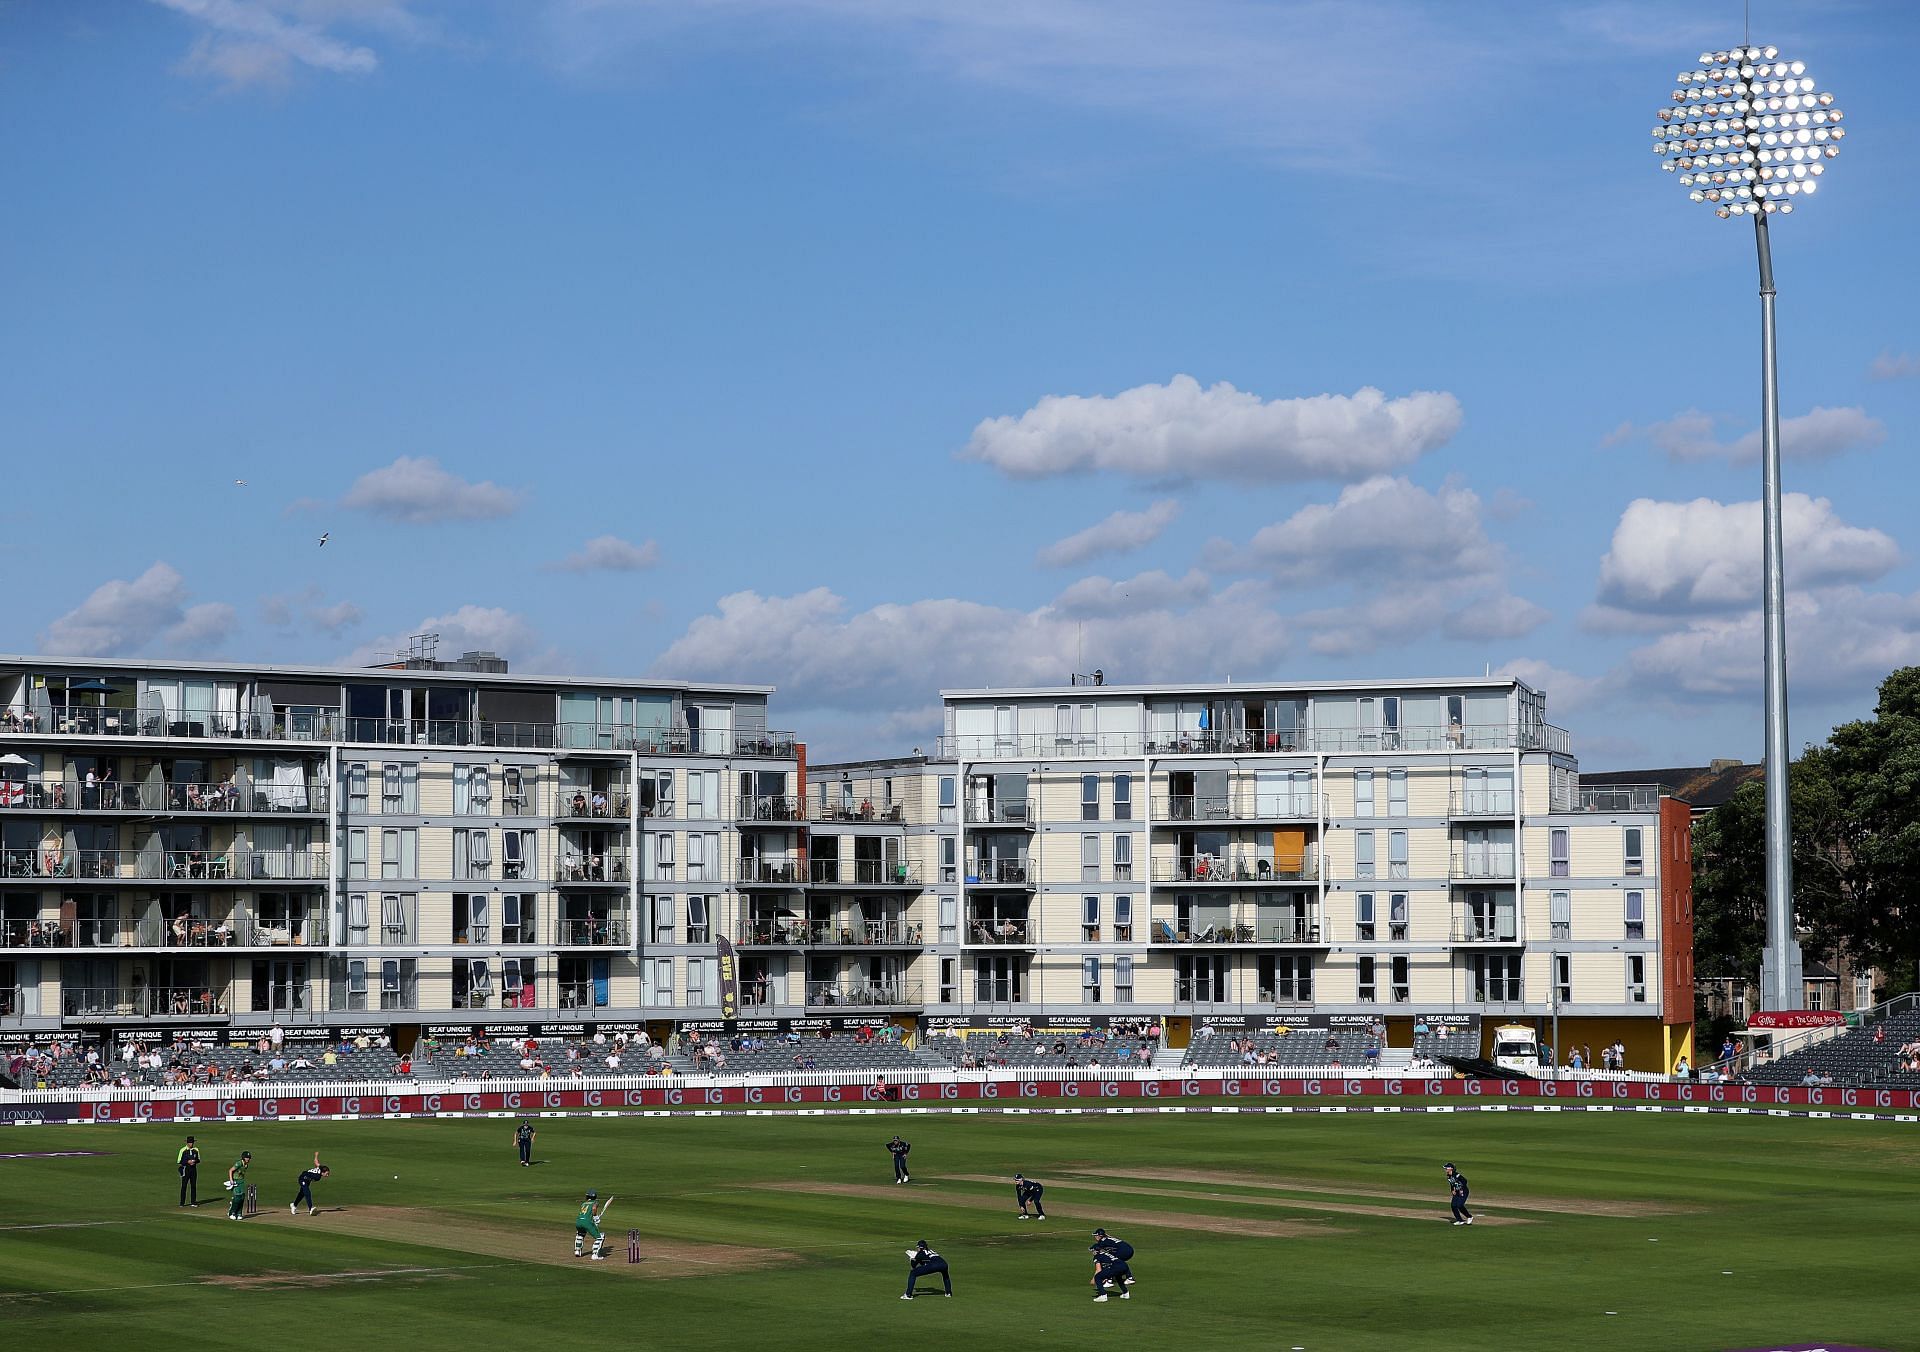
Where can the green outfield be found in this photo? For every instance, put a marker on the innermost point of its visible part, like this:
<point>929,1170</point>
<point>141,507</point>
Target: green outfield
<point>1251,1232</point>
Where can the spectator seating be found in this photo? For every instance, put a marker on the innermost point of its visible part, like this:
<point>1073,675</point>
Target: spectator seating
<point>1852,1058</point>
<point>1305,1048</point>
<point>1051,1050</point>
<point>838,1053</point>
<point>1441,1040</point>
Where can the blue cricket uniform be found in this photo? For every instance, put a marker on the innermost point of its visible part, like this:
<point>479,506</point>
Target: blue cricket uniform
<point>1457,1182</point>
<point>926,1263</point>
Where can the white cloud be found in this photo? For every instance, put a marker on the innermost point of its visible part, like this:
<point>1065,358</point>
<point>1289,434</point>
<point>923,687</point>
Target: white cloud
<point>150,613</point>
<point>1566,691</point>
<point>1818,434</point>
<point>1840,640</point>
<point>609,553</point>
<point>1154,590</point>
<point>1181,431</point>
<point>260,42</point>
<point>885,659</point>
<point>1895,366</point>
<point>492,628</point>
<point>1498,616</point>
<point>309,607</point>
<point>415,489</point>
<point>1670,558</point>
<point>1383,527</point>
<point>1117,534</point>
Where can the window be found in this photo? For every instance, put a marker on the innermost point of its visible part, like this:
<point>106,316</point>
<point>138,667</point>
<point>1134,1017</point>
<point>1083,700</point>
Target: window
<point>1363,854</point>
<point>1636,860</point>
<point>472,790</point>
<point>1090,858</point>
<point>1396,854</point>
<point>1816,992</point>
<point>1089,798</point>
<point>703,797</point>
<point>1397,916</point>
<point>1402,979</point>
<point>663,981</point>
<point>697,919</point>
<point>516,919</point>
<point>997,981</point>
<point>949,920</point>
<point>470,920</point>
<point>697,967</point>
<point>1200,980</point>
<point>662,782</point>
<point>397,917</point>
<point>1293,978</point>
<point>949,980</point>
<point>662,861</point>
<point>1363,916</point>
<point>1557,862</point>
<point>357,854</point>
<point>517,976</point>
<point>1090,920</point>
<point>1560,914</point>
<point>1637,981</point>
<point>516,849</point>
<point>702,848</point>
<point>357,787</point>
<point>1367,993</point>
<point>397,982</point>
<point>1495,977</point>
<point>1562,979</point>
<point>356,984</point>
<point>1123,858</point>
<point>472,854</point>
<point>399,788</point>
<point>1123,798</point>
<point>1090,981</point>
<point>662,919</point>
<point>1123,920</point>
<point>357,924</point>
<point>513,790</point>
<point>1396,793</point>
<point>948,869</point>
<point>946,798</point>
<point>1636,915</point>
<point>1123,980</point>
<point>1363,793</point>
<point>400,853</point>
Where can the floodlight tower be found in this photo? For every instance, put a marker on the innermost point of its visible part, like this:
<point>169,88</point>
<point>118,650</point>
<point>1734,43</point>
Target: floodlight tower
<point>1750,135</point>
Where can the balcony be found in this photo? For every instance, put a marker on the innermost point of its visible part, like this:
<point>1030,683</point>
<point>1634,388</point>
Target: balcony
<point>1484,930</point>
<point>1001,930</point>
<point>677,740</point>
<point>593,932</point>
<point>1206,870</point>
<point>1204,742</point>
<point>1236,925</point>
<point>1238,807</point>
<point>167,865</point>
<point>602,805</point>
<point>1619,798</point>
<point>781,808</point>
<point>1481,864</point>
<point>1000,812</point>
<point>840,810</point>
<point>1466,804</point>
<point>862,994</point>
<point>586,870</point>
<point>864,873</point>
<point>771,873</point>
<point>104,1004</point>
<point>238,798</point>
<point>182,932</point>
<point>1000,873</point>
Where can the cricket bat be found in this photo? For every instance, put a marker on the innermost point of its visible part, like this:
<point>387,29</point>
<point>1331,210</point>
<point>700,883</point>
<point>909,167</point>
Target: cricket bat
<point>604,1208</point>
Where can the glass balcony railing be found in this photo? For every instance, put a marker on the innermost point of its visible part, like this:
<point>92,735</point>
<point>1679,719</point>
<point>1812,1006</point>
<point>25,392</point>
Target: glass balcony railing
<point>868,994</point>
<point>1203,742</point>
<point>864,873</point>
<point>1173,925</point>
<point>987,928</point>
<point>1208,869</point>
<point>232,797</point>
<point>210,865</point>
<point>1243,806</point>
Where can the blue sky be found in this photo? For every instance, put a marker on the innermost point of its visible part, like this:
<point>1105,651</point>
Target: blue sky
<point>870,346</point>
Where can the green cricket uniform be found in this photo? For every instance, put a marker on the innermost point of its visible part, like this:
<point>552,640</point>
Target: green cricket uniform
<point>237,1202</point>
<point>587,1223</point>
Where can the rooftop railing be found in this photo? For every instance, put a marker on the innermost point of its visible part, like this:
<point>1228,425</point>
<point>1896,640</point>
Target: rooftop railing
<point>1618,798</point>
<point>1203,742</point>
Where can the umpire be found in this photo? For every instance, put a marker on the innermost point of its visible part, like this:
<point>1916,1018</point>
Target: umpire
<point>188,1163</point>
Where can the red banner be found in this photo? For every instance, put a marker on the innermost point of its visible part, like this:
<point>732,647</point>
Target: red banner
<point>1797,1018</point>
<point>1003,1091</point>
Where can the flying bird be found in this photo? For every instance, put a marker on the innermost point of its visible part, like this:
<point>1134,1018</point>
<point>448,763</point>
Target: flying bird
<point>241,482</point>
<point>323,538</point>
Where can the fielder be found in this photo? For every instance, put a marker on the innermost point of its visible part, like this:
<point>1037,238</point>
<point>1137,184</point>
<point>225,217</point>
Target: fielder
<point>1111,1256</point>
<point>1027,1193</point>
<point>523,1138</point>
<point>588,1223</point>
<point>237,1186</point>
<point>188,1163</point>
<point>924,1262</point>
<point>898,1149</point>
<point>308,1177</point>
<point>1457,1186</point>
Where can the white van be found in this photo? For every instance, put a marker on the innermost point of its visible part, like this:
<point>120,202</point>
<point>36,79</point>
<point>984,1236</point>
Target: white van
<point>1515,1047</point>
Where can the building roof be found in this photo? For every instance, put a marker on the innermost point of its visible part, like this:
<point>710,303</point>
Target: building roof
<point>1702,787</point>
<point>1229,686</point>
<point>370,674</point>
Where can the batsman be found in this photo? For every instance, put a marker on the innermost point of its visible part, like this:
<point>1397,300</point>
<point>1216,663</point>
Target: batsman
<point>587,1224</point>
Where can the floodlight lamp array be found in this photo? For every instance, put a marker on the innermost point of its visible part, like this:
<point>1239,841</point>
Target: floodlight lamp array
<point>1748,132</point>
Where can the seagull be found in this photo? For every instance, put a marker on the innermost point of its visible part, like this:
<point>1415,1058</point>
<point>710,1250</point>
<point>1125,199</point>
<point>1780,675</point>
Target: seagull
<point>240,482</point>
<point>323,538</point>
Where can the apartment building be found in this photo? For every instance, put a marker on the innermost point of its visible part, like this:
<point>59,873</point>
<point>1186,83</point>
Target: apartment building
<point>227,846</point>
<point>1385,849</point>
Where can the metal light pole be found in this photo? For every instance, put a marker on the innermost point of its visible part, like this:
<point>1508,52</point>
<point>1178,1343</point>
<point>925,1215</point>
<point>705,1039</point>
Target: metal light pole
<point>1750,134</point>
